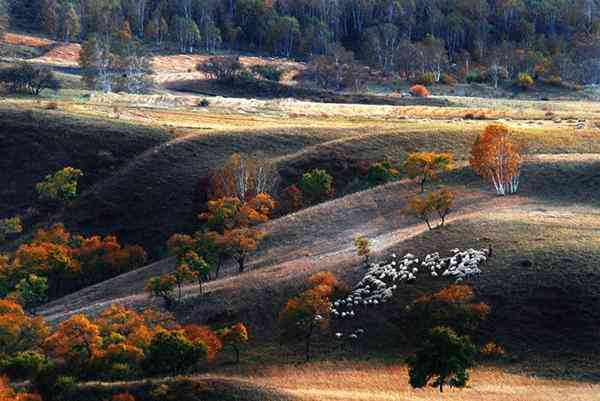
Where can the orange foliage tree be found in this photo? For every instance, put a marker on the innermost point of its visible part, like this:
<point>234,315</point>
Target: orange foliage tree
<point>308,312</point>
<point>497,158</point>
<point>18,331</point>
<point>205,334</point>
<point>231,224</point>
<point>7,393</point>
<point>426,166</point>
<point>70,262</point>
<point>234,336</point>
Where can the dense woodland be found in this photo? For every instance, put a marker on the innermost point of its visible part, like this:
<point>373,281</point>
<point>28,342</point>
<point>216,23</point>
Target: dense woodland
<point>545,38</point>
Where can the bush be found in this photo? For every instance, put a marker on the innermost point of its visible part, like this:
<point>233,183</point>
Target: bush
<point>316,186</point>
<point>28,78</point>
<point>225,69</point>
<point>204,103</point>
<point>290,200</point>
<point>51,106</point>
<point>492,350</point>
<point>61,186</point>
<point>381,173</point>
<point>269,72</point>
<point>419,91</point>
<point>427,78</point>
<point>475,76</point>
<point>448,79</point>
<point>453,307</point>
<point>524,81</point>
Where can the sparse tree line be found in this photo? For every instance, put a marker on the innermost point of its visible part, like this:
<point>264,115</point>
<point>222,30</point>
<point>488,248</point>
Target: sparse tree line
<point>489,40</point>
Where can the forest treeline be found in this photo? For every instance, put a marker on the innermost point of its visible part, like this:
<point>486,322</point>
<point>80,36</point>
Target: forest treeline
<point>540,37</point>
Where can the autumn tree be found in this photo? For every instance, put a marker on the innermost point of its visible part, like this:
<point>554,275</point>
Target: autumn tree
<point>60,186</point>
<point>363,247</point>
<point>234,336</point>
<point>426,166</point>
<point>497,158</point>
<point>207,336</point>
<point>244,177</point>
<point>241,242</point>
<point>18,331</point>
<point>163,286</point>
<point>443,357</point>
<point>196,267</point>
<point>434,204</point>
<point>307,313</point>
<point>74,341</point>
<point>183,274</point>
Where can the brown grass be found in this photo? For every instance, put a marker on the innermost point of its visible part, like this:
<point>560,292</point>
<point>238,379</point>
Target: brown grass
<point>334,381</point>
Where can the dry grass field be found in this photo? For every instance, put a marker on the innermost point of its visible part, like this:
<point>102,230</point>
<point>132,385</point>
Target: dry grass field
<point>334,381</point>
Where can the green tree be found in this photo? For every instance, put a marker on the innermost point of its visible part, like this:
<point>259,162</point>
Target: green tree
<point>61,186</point>
<point>171,352</point>
<point>442,359</point>
<point>316,186</point>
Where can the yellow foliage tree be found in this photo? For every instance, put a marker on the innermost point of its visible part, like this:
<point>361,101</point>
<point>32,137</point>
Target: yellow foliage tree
<point>426,166</point>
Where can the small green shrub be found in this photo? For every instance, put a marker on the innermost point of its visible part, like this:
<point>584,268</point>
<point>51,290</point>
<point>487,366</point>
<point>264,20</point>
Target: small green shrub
<point>204,103</point>
<point>268,72</point>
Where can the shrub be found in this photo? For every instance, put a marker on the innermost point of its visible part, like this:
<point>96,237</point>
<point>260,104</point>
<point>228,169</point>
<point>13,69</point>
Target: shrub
<point>492,350</point>
<point>10,226</point>
<point>381,173</point>
<point>269,72</point>
<point>51,106</point>
<point>443,357</point>
<point>524,81</point>
<point>173,353</point>
<point>291,199</point>
<point>448,79</point>
<point>454,307</point>
<point>223,69</point>
<point>316,186</point>
<point>419,91</point>
<point>60,186</point>
<point>427,78</point>
<point>204,103</point>
<point>475,76</point>
<point>438,202</point>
